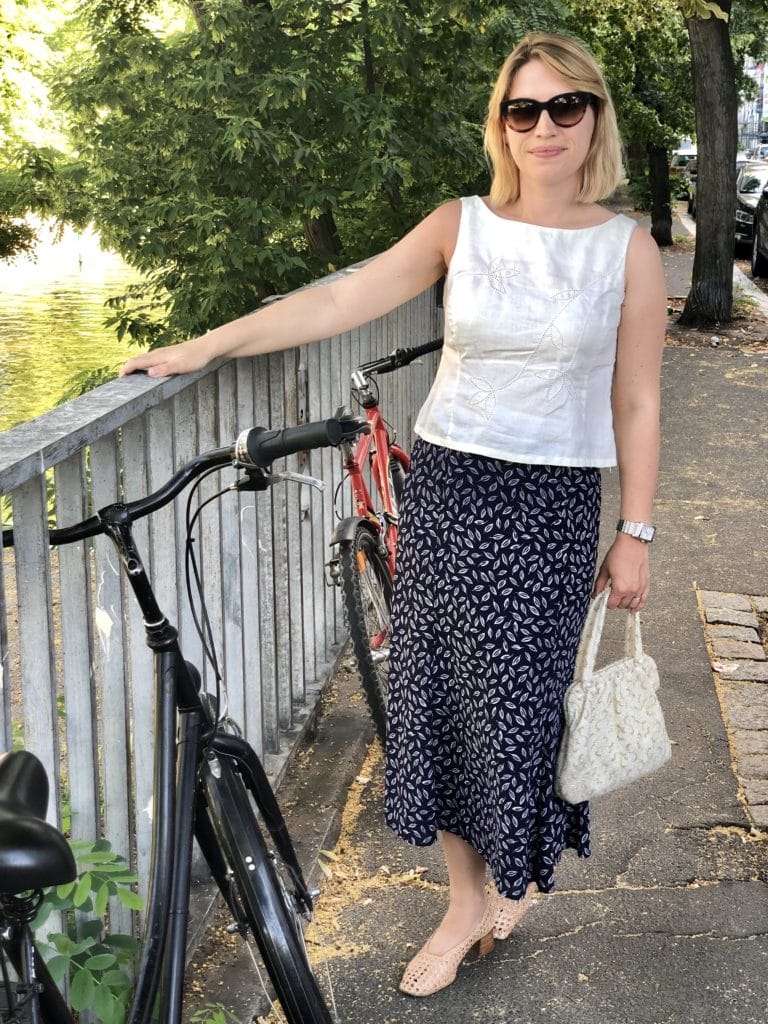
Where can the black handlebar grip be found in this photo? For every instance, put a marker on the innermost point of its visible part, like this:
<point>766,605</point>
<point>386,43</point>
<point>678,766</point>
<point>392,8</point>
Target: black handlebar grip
<point>422,350</point>
<point>260,447</point>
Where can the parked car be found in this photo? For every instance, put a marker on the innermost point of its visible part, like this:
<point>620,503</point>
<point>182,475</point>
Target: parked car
<point>678,177</point>
<point>691,173</point>
<point>760,237</point>
<point>679,161</point>
<point>751,180</point>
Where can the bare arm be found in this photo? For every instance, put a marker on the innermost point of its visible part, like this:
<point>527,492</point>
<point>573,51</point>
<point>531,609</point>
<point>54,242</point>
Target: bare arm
<point>636,401</point>
<point>399,274</point>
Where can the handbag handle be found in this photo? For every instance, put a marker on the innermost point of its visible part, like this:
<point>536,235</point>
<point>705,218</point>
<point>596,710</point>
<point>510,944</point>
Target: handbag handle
<point>593,630</point>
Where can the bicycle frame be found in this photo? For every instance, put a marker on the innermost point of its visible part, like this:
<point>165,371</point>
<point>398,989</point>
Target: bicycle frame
<point>183,770</point>
<point>374,448</point>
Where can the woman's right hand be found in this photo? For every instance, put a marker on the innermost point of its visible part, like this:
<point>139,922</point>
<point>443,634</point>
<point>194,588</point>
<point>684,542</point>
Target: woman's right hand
<point>185,357</point>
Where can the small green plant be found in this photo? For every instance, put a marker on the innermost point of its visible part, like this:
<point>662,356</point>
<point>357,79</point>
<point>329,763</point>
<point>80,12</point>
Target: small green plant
<point>99,965</point>
<point>213,1014</point>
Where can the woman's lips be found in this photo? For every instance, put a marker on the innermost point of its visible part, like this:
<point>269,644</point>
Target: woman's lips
<point>546,151</point>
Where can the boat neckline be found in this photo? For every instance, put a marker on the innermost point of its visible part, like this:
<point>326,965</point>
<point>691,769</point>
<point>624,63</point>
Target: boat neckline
<point>542,227</point>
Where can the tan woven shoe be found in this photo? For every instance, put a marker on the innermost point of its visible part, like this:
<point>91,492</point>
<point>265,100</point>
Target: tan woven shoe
<point>507,913</point>
<point>427,973</point>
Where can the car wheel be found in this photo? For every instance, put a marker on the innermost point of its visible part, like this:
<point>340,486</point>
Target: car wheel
<point>759,262</point>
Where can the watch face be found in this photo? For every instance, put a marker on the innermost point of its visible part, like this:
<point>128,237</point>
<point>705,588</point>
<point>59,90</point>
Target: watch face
<point>646,532</point>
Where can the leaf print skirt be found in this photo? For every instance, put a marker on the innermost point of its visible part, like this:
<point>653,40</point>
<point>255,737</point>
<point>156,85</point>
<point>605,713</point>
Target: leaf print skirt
<point>495,567</point>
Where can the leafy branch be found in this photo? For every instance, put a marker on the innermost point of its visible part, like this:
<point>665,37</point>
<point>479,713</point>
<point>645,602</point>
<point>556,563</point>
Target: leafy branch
<point>98,965</point>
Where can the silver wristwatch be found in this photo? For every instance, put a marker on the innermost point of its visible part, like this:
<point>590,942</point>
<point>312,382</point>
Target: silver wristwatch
<point>643,531</point>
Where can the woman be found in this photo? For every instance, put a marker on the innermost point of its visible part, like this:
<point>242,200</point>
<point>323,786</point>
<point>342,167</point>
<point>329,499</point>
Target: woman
<point>555,314</point>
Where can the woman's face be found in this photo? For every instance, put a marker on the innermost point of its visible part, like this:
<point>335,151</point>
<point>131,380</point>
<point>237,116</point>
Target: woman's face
<point>548,155</point>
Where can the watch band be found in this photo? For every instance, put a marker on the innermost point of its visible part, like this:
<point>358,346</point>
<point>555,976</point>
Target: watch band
<point>642,531</point>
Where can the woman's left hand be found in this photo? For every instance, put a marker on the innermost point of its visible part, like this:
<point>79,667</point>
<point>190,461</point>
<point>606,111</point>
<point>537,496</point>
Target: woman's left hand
<point>626,568</point>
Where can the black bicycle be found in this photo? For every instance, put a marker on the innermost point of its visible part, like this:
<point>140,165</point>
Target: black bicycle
<point>209,783</point>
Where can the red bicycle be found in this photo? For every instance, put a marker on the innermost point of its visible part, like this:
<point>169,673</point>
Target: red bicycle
<point>364,544</point>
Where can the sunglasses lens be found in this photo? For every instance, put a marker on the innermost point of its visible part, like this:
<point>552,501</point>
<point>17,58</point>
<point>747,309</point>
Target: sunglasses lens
<point>521,117</point>
<point>567,111</point>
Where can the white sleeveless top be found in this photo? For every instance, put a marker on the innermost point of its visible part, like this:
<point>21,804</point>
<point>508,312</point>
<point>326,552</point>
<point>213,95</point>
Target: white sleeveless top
<point>531,315</point>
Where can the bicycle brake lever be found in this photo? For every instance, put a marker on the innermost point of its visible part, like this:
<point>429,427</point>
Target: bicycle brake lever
<point>297,478</point>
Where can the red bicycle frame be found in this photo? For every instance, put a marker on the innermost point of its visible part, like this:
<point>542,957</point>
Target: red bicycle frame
<point>374,449</point>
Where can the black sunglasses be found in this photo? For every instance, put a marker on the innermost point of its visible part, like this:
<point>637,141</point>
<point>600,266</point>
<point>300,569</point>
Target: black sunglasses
<point>566,110</point>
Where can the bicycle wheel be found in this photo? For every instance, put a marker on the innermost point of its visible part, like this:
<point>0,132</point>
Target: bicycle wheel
<point>367,589</point>
<point>271,911</point>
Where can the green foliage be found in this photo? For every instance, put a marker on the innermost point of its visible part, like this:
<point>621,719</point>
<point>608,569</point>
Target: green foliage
<point>701,9</point>
<point>213,1014</point>
<point>644,49</point>
<point>86,380</point>
<point>241,151</point>
<point>98,964</point>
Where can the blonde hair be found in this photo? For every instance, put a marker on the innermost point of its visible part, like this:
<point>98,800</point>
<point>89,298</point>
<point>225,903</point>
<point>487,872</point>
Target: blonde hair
<point>602,170</point>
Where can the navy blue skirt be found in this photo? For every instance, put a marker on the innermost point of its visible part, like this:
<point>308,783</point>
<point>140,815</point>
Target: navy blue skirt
<point>495,567</point>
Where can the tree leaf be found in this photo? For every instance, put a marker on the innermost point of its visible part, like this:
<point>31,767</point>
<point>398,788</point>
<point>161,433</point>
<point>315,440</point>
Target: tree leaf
<point>82,990</point>
<point>100,962</point>
<point>130,899</point>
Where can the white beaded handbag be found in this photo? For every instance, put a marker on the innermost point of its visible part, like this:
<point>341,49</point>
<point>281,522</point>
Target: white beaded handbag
<point>614,726</point>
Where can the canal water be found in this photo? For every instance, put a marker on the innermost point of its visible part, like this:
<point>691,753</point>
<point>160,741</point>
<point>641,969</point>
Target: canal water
<point>52,316</point>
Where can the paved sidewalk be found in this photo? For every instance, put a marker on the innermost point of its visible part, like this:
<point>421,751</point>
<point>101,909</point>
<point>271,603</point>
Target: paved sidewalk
<point>667,922</point>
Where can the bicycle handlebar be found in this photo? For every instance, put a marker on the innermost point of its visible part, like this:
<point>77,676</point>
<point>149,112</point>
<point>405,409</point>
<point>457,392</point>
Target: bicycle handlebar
<point>259,446</point>
<point>400,357</point>
<point>254,449</point>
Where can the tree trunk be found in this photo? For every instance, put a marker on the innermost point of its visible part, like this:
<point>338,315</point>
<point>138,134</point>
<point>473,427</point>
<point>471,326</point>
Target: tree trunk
<point>710,300</point>
<point>198,13</point>
<point>661,205</point>
<point>636,161</point>
<point>323,237</point>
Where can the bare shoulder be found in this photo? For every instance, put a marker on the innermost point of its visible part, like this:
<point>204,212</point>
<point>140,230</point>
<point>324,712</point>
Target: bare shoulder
<point>642,252</point>
<point>443,226</point>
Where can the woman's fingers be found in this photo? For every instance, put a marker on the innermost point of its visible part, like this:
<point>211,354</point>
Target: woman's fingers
<point>185,357</point>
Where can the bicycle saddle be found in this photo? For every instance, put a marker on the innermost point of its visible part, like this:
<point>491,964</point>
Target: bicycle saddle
<point>33,854</point>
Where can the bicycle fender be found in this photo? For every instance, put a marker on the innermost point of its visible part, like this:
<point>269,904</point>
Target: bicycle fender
<point>345,530</point>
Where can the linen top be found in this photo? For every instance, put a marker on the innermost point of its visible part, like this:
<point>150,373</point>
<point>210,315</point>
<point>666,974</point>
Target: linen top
<point>531,316</point>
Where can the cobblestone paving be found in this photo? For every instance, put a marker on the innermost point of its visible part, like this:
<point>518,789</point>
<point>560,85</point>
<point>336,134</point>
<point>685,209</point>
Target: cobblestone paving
<point>736,632</point>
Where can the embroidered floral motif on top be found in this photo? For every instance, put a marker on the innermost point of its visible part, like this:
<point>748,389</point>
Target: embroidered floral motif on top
<point>558,377</point>
<point>500,270</point>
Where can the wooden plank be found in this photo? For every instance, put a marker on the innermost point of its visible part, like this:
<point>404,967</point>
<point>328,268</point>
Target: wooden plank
<point>141,707</point>
<point>36,640</point>
<point>207,530</point>
<point>30,448</point>
<point>116,785</point>
<point>270,740</point>
<point>317,499</point>
<point>77,653</point>
<point>160,458</point>
<point>185,447</point>
<point>249,561</point>
<point>293,498</point>
<point>307,568</point>
<point>280,597</point>
<point>229,560</point>
<point>328,399</point>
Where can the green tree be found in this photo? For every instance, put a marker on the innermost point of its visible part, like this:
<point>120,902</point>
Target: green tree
<point>644,49</point>
<point>710,299</point>
<point>23,111</point>
<point>235,148</point>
